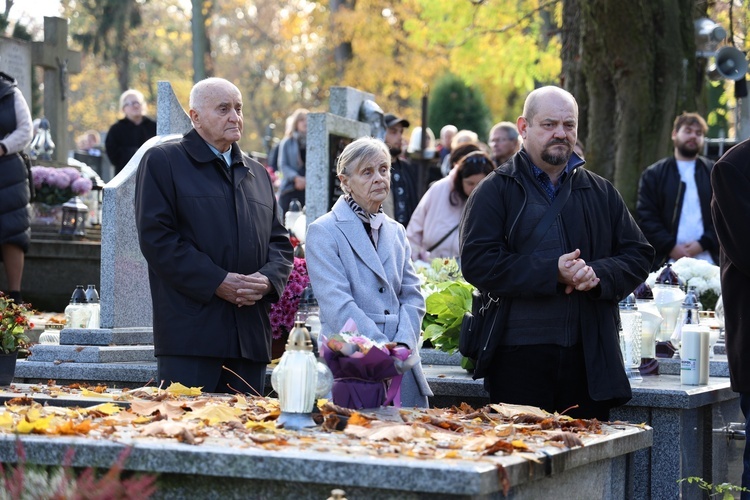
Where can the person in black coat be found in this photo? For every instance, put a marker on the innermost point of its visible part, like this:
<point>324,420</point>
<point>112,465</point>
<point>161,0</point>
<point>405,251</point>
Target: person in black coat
<point>730,209</point>
<point>127,135</point>
<point>218,256</point>
<point>674,197</point>
<point>556,342</point>
<point>15,135</point>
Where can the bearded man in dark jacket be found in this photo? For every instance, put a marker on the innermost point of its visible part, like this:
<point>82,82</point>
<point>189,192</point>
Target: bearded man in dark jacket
<point>556,344</point>
<point>674,198</point>
<point>217,253</point>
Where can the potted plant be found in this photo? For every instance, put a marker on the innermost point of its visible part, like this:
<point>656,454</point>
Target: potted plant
<point>447,298</point>
<point>53,187</point>
<point>14,320</point>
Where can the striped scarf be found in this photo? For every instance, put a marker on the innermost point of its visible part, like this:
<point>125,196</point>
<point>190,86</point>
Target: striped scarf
<point>372,222</point>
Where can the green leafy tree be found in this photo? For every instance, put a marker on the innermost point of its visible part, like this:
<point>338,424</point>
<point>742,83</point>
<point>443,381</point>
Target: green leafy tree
<point>454,102</point>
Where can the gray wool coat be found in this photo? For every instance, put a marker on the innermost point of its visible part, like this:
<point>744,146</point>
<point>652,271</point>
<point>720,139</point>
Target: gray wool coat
<point>377,288</point>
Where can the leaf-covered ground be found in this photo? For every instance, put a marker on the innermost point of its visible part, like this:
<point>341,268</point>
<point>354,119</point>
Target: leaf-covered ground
<point>189,416</point>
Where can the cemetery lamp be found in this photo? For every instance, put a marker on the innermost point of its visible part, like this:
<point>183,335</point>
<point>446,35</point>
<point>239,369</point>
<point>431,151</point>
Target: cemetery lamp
<point>299,379</point>
<point>74,213</point>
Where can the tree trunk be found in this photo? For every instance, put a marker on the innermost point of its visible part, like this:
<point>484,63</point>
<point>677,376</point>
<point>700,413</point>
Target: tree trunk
<point>343,52</point>
<point>198,25</point>
<point>639,69</point>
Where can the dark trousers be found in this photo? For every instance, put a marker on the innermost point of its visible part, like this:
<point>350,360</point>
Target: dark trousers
<point>745,406</point>
<point>208,373</point>
<point>548,376</point>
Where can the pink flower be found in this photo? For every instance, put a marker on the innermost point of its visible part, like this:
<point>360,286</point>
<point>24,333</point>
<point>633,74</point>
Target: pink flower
<point>283,312</point>
<point>81,185</point>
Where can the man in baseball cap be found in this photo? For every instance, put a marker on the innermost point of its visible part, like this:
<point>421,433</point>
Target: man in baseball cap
<point>403,200</point>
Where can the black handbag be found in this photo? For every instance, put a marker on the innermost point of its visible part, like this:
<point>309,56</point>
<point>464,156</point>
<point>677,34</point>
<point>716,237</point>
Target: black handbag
<point>483,306</point>
<point>478,325</point>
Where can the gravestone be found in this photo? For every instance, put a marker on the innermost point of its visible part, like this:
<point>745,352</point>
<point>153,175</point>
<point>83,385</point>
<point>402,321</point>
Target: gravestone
<point>15,61</point>
<point>327,135</point>
<point>58,62</point>
<point>126,333</point>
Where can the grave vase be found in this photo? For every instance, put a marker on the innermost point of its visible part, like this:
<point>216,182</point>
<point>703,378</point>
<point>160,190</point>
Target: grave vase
<point>7,367</point>
<point>43,214</point>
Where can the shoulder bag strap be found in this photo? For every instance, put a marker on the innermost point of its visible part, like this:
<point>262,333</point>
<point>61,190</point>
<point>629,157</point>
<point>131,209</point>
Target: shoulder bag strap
<point>433,247</point>
<point>549,216</point>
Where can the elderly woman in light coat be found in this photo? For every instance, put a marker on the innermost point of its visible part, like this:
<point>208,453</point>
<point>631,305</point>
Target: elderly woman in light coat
<point>359,262</point>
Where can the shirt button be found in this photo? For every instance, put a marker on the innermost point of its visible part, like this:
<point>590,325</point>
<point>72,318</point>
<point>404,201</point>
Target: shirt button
<point>387,312</point>
<point>381,289</point>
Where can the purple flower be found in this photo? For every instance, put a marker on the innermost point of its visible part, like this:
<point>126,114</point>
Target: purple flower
<point>71,172</point>
<point>81,185</point>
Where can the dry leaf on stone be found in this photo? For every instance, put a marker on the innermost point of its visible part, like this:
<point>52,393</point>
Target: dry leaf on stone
<point>169,409</point>
<point>166,428</point>
<point>396,432</point>
<point>510,411</point>
<point>178,389</point>
<point>215,414</point>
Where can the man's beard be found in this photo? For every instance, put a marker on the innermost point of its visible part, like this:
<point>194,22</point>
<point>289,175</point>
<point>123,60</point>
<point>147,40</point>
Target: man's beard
<point>556,159</point>
<point>688,151</point>
<point>394,150</point>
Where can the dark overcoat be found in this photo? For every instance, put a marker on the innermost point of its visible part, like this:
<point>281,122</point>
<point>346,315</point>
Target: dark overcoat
<point>198,221</point>
<point>597,222</point>
<point>730,208</point>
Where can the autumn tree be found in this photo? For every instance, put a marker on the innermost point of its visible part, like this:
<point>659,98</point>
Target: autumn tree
<point>111,35</point>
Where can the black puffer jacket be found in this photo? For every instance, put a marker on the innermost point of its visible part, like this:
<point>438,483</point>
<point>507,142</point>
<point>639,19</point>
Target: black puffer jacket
<point>14,183</point>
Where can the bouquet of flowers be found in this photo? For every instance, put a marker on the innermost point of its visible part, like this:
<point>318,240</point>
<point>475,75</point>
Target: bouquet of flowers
<point>55,186</point>
<point>705,277</point>
<point>283,312</point>
<point>365,374</point>
<point>14,321</point>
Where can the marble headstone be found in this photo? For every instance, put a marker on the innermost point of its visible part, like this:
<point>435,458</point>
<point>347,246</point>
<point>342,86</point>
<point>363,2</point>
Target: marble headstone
<point>326,133</point>
<point>125,295</point>
<point>15,61</point>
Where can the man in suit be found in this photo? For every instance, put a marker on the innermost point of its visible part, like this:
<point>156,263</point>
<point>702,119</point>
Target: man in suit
<point>674,198</point>
<point>217,253</point>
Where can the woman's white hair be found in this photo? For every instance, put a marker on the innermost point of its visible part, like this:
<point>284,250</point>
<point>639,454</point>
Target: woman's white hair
<point>363,151</point>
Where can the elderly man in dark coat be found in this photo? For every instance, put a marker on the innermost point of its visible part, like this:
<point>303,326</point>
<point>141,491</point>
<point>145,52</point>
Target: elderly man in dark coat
<point>730,208</point>
<point>217,252</point>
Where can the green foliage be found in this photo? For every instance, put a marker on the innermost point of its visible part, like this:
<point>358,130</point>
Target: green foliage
<point>454,102</point>
<point>723,491</point>
<point>448,298</point>
<point>445,312</point>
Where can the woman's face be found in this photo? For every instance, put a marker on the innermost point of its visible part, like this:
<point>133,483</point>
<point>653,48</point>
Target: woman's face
<point>370,184</point>
<point>302,124</point>
<point>470,182</point>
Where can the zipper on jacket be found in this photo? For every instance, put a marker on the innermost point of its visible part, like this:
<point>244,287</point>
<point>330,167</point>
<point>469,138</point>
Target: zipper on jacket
<point>677,209</point>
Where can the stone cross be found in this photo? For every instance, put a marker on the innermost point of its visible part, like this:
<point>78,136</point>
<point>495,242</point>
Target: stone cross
<point>58,62</point>
<point>327,133</point>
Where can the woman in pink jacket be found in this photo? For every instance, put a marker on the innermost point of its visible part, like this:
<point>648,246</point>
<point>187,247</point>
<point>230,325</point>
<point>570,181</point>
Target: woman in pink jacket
<point>433,228</point>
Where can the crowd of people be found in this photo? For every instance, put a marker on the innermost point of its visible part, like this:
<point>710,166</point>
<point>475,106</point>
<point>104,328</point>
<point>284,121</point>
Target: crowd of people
<point>552,244</point>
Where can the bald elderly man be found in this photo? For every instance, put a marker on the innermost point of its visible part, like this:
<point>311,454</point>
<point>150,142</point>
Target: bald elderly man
<point>209,228</point>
